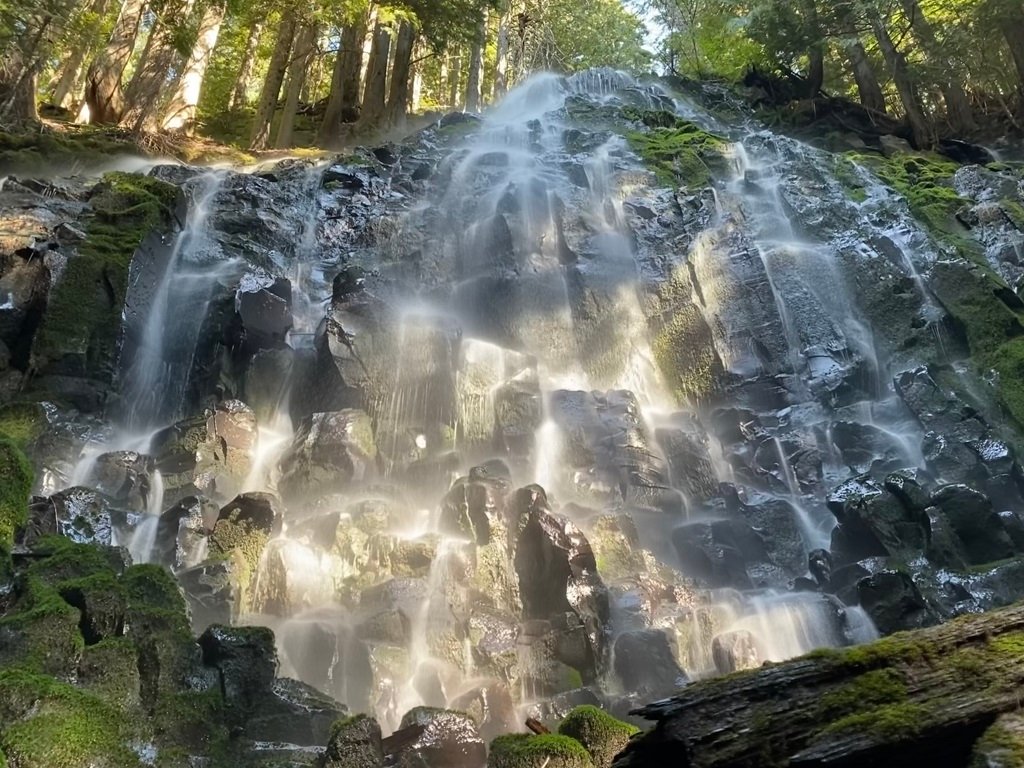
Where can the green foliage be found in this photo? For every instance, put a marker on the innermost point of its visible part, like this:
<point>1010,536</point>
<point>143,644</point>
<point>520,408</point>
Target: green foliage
<point>874,688</point>
<point>34,151</point>
<point>22,423</point>
<point>80,329</point>
<point>15,487</point>
<point>891,722</point>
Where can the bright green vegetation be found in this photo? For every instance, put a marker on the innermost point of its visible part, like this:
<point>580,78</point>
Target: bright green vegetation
<point>678,151</point>
<point>845,171</point>
<point>926,182</point>
<point>521,750</point>
<point>602,735</point>
<point>70,152</point>
<point>15,486</point>
<point>50,724</point>
<point>79,332</point>
<point>875,688</point>
<point>22,422</point>
<point>892,721</point>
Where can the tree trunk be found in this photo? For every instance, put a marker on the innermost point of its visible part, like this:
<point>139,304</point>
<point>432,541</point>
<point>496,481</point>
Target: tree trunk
<point>181,113</point>
<point>398,97</point>
<point>871,96</point>
<point>1013,31</point>
<point>305,43</point>
<point>18,77</point>
<point>375,92</point>
<point>272,82</point>
<point>916,698</point>
<point>71,74</point>
<point>501,60</point>
<point>150,86</point>
<point>455,81</point>
<point>104,101</point>
<point>367,50</point>
<point>343,100</point>
<point>920,129</point>
<point>476,66</point>
<point>416,83</point>
<point>815,71</point>
<point>239,98</point>
<point>958,107</point>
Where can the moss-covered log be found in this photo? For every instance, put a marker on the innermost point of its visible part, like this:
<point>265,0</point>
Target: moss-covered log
<point>923,697</point>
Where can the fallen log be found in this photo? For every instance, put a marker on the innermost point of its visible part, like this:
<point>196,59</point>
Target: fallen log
<point>921,698</point>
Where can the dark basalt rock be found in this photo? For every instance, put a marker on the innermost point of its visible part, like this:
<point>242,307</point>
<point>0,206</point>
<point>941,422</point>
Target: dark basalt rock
<point>733,651</point>
<point>263,305</point>
<point>449,740</point>
<point>355,743</point>
<point>894,603</point>
<point>645,664</point>
<point>125,477</point>
<point>81,514</point>
<point>977,525</point>
<point>331,452</point>
<point>873,521</point>
<point>183,530</point>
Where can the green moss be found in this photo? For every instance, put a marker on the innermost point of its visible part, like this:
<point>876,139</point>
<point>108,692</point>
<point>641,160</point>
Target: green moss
<point>872,689</point>
<point>15,488</point>
<point>1014,212</point>
<point>67,561</point>
<point>925,181</point>
<point>109,669</point>
<point>1002,745</point>
<point>153,585</point>
<point>678,151</point>
<point>522,750</point>
<point>685,354</point>
<point>347,722</point>
<point>892,722</point>
<point>22,422</point>
<point>50,724</point>
<point>602,735</point>
<point>845,171</point>
<point>71,151</point>
<point>42,633</point>
<point>79,332</point>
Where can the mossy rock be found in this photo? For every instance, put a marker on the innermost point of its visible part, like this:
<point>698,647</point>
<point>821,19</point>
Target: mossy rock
<point>15,487</point>
<point>110,670</point>
<point>50,724</point>
<point>79,333</point>
<point>85,147</point>
<point>685,354</point>
<point>22,423</point>
<point>41,634</point>
<point>102,603</point>
<point>602,735</point>
<point>523,750</point>
<point>1002,745</point>
<point>60,560</point>
<point>676,150</point>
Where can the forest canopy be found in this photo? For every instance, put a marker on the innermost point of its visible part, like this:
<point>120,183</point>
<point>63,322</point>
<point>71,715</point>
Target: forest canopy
<point>279,73</point>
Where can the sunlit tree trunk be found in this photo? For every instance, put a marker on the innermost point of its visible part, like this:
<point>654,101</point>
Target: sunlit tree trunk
<point>958,107</point>
<point>398,95</point>
<point>501,59</point>
<point>375,92</point>
<point>416,80</point>
<point>71,73</point>
<point>343,100</point>
<point>181,112</point>
<point>18,78</point>
<point>920,128</point>
<point>104,100</point>
<point>305,43</point>
<point>239,98</point>
<point>454,81</point>
<point>476,66</point>
<point>367,51</point>
<point>159,70</point>
<point>868,87</point>
<point>272,82</point>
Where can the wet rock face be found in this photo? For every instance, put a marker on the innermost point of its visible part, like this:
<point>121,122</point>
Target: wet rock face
<point>81,514</point>
<point>183,531</point>
<point>975,522</point>
<point>263,306</point>
<point>126,477</point>
<point>449,740</point>
<point>894,603</point>
<point>874,521</point>
<point>331,452</point>
<point>733,651</point>
<point>211,454</point>
<point>355,743</point>
<point>645,664</point>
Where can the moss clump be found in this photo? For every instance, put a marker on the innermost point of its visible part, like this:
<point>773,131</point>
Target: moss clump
<point>678,151</point>
<point>685,353</point>
<point>79,333</point>
<point>1002,745</point>
<point>892,722</point>
<point>602,735</point>
<point>50,724</point>
<point>109,669</point>
<point>15,488</point>
<point>153,585</point>
<point>845,171</point>
<point>521,750</point>
<point>22,422</point>
<point>875,688</point>
<point>1014,212</point>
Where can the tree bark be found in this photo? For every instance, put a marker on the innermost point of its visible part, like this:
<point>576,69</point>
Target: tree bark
<point>398,97</point>
<point>1013,32</point>
<point>921,130</point>
<point>272,82</point>
<point>104,100</point>
<point>149,87</point>
<point>871,96</point>
<point>18,78</point>
<point>476,66</point>
<point>343,100</point>
<point>916,698</point>
<point>501,60</point>
<point>375,92</point>
<point>238,99</point>
<point>305,43</point>
<point>181,112</point>
<point>958,107</point>
<point>455,81</point>
<point>71,74</point>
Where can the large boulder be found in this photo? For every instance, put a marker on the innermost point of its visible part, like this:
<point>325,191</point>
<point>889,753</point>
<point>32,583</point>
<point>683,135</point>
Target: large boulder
<point>80,514</point>
<point>971,515</point>
<point>874,521</point>
<point>331,452</point>
<point>126,477</point>
<point>521,750</point>
<point>601,735</point>
<point>449,740</point>
<point>355,743</point>
<point>644,663</point>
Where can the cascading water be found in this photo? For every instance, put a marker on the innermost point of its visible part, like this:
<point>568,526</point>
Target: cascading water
<point>684,373</point>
